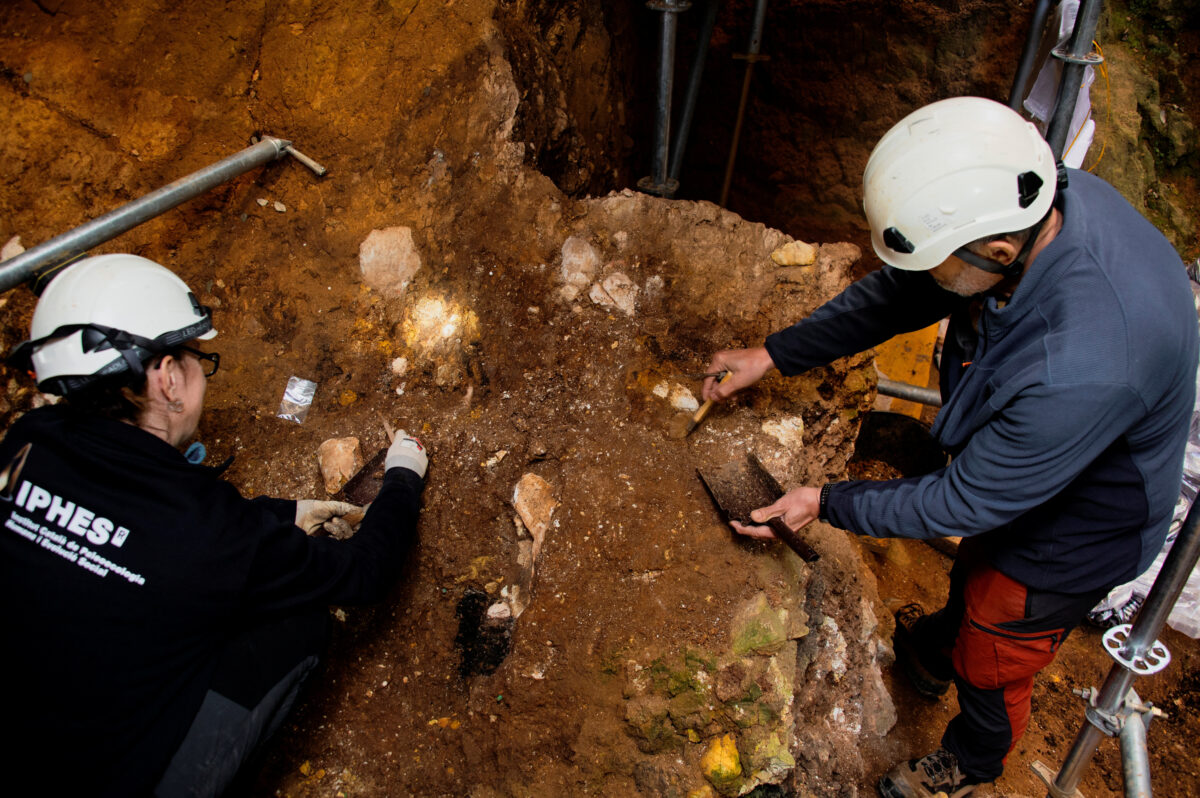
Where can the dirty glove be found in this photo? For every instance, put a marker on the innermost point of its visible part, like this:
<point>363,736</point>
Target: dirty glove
<point>312,515</point>
<point>407,452</point>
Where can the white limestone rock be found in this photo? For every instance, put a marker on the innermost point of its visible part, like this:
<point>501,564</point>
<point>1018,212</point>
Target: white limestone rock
<point>580,263</point>
<point>389,260</point>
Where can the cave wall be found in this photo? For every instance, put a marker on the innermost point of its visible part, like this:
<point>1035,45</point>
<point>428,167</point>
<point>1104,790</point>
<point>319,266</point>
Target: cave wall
<point>839,74</point>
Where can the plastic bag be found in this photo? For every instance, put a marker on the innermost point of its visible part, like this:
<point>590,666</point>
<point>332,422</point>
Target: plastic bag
<point>297,399</point>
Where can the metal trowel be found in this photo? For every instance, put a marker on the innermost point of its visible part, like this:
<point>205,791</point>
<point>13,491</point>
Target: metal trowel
<point>739,487</point>
<point>363,487</point>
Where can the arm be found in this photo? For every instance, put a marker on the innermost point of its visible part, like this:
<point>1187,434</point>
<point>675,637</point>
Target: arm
<point>872,310</point>
<point>1028,453</point>
<point>292,569</point>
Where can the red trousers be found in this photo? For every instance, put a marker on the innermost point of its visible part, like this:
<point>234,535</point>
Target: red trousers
<point>992,637</point>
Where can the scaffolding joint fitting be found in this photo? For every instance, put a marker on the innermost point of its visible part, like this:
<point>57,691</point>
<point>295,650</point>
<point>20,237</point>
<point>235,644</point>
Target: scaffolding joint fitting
<point>669,6</point>
<point>1048,777</point>
<point>1109,723</point>
<point>1064,54</point>
<point>649,185</point>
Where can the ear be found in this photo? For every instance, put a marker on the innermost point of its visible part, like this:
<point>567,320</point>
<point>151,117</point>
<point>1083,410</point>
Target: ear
<point>165,380</point>
<point>1001,250</point>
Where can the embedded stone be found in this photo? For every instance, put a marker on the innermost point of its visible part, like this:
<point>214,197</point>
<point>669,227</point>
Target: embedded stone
<point>580,263</point>
<point>12,248</point>
<point>722,766</point>
<point>622,291</point>
<point>759,629</point>
<point>534,502</point>
<point>683,399</point>
<point>389,260</point>
<point>788,431</point>
<point>794,253</point>
<point>339,459</point>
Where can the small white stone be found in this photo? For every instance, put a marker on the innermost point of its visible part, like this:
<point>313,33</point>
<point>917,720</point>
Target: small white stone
<point>789,431</point>
<point>579,266</point>
<point>12,249</point>
<point>661,390</point>
<point>683,399</point>
<point>400,366</point>
<point>623,291</point>
<point>499,611</point>
<point>279,206</point>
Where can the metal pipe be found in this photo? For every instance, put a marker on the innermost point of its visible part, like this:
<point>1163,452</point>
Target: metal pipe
<point>1076,56</point>
<point>911,393</point>
<point>658,182</point>
<point>703,39</point>
<point>103,228</point>
<point>1134,763</point>
<point>752,56</point>
<point>1167,586</point>
<point>1037,28</point>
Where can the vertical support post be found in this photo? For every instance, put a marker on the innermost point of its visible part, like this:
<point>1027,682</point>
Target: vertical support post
<point>1135,763</point>
<point>1037,28</point>
<point>752,56</point>
<point>1076,55</point>
<point>1142,636</point>
<point>679,145</point>
<point>658,182</point>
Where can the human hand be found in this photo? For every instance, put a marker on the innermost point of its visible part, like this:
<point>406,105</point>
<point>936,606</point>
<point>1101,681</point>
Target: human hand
<point>797,509</point>
<point>407,452</point>
<point>745,367</point>
<point>313,515</point>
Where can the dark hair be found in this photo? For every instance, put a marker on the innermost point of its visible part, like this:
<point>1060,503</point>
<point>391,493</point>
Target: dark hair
<point>120,397</point>
<point>1017,238</point>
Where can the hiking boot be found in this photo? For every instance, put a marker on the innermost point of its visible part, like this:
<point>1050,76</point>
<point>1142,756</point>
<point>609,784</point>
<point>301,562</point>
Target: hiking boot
<point>908,654</point>
<point>933,775</point>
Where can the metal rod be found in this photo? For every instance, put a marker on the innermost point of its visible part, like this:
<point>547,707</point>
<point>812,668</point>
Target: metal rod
<point>1075,59</point>
<point>1033,40</point>
<point>911,393</point>
<point>1134,762</point>
<point>103,228</point>
<point>1168,585</point>
<point>666,81</point>
<point>658,182</point>
<point>703,39</point>
<point>760,15</point>
<point>317,169</point>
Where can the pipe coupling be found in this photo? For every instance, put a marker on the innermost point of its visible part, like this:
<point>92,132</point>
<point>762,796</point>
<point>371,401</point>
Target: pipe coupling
<point>669,6</point>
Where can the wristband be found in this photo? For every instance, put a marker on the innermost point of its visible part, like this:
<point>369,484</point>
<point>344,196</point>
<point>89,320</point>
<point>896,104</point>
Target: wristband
<point>823,501</point>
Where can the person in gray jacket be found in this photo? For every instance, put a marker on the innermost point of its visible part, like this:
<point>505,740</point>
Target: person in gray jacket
<point>1068,379</point>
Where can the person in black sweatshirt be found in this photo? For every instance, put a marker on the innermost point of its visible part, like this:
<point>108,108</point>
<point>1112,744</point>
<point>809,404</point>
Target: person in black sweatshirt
<point>158,624</point>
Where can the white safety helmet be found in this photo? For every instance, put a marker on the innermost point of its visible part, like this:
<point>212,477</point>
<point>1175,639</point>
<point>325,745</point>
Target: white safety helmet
<point>106,315</point>
<point>953,172</point>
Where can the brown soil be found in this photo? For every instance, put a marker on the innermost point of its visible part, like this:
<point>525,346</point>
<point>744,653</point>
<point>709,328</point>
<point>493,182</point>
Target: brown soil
<point>437,117</point>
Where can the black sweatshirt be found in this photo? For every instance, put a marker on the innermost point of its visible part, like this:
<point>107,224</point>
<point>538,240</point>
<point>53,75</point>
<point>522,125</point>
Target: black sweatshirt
<point>124,568</point>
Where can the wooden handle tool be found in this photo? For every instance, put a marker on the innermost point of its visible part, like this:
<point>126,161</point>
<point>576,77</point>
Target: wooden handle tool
<point>704,408</point>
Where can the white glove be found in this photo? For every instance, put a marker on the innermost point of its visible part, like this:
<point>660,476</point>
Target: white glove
<point>311,514</point>
<point>407,452</point>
